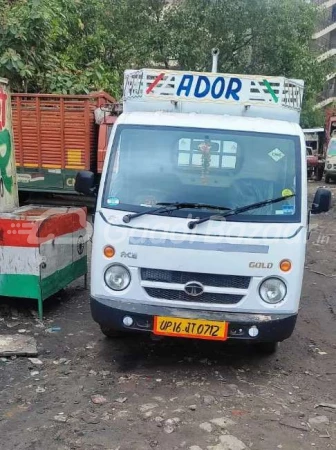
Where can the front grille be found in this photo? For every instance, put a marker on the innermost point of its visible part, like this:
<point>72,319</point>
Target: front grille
<point>172,276</point>
<point>206,297</point>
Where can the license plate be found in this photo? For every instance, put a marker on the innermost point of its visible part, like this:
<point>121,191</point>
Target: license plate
<point>191,328</point>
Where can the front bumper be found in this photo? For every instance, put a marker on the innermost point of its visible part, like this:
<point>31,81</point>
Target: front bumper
<point>272,327</point>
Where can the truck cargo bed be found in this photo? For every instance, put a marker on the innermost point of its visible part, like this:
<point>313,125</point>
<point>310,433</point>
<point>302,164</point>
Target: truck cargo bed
<point>55,137</point>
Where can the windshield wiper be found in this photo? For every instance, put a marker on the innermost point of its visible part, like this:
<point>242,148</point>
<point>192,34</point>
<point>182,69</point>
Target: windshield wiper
<point>196,206</point>
<point>170,207</point>
<point>234,212</point>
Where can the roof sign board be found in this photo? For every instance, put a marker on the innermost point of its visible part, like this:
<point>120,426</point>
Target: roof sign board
<point>213,93</point>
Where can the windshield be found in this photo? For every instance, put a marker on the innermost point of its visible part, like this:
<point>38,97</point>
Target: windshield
<point>332,148</point>
<point>231,169</point>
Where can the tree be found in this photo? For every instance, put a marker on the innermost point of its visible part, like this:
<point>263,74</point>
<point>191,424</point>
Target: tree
<point>53,46</point>
<point>26,30</point>
<point>255,37</point>
<point>76,46</point>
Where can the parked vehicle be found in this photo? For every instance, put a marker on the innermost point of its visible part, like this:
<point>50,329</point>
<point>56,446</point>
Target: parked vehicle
<point>202,219</point>
<point>312,162</point>
<point>330,124</point>
<point>58,135</point>
<point>315,166</point>
<point>330,172</point>
<point>315,138</point>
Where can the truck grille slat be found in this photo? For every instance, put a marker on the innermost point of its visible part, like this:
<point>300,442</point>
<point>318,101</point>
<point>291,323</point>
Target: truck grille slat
<point>206,297</point>
<point>176,277</point>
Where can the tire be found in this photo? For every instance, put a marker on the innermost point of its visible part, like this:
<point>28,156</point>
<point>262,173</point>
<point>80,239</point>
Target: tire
<point>267,348</point>
<point>319,173</point>
<point>327,179</point>
<point>111,333</point>
<point>23,197</point>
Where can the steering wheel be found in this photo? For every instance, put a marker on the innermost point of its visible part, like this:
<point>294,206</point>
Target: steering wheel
<point>150,197</point>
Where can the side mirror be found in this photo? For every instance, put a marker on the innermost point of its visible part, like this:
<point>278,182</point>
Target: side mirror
<point>85,183</point>
<point>322,201</point>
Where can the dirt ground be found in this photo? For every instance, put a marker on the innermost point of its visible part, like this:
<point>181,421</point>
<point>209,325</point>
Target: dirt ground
<point>91,393</point>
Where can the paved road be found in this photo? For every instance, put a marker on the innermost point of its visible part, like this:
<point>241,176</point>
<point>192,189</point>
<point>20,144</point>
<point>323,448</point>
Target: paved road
<point>91,393</point>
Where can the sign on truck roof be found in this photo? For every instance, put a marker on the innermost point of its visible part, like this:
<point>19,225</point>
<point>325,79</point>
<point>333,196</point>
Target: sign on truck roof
<point>213,93</point>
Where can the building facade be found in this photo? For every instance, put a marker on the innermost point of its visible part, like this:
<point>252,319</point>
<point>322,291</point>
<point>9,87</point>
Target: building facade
<point>325,42</point>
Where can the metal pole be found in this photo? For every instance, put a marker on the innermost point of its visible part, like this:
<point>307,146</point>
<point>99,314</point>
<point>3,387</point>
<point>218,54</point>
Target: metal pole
<point>215,55</point>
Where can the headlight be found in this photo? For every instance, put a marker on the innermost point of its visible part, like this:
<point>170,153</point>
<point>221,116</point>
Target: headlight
<point>273,290</point>
<point>117,277</point>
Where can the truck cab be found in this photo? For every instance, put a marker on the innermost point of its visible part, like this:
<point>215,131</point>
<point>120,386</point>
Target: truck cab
<point>330,170</point>
<point>202,218</point>
<point>315,140</point>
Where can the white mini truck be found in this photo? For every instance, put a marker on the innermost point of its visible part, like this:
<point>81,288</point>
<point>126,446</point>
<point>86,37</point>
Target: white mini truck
<point>201,221</point>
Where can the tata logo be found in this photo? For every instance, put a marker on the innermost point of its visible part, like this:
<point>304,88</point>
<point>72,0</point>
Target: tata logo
<point>260,265</point>
<point>129,255</point>
<point>194,289</point>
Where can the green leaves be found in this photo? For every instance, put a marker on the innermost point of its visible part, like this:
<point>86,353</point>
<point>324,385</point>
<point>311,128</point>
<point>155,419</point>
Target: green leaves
<point>76,46</point>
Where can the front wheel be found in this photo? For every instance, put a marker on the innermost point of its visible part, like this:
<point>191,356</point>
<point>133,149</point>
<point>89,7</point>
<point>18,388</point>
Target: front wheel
<point>266,348</point>
<point>327,179</point>
<point>319,173</point>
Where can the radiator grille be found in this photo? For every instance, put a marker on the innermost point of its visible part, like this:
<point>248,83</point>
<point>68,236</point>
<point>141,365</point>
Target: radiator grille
<point>206,297</point>
<point>171,276</point>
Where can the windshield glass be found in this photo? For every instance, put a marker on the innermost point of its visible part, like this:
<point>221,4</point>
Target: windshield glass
<point>332,148</point>
<point>230,169</point>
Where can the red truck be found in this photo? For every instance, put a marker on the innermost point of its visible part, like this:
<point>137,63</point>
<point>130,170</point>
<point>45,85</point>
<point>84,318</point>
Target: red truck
<point>315,152</point>
<point>317,141</point>
<point>56,136</point>
<point>313,164</point>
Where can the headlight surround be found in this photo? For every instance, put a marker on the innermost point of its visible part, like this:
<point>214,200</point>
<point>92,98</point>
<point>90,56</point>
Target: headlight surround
<point>329,166</point>
<point>117,277</point>
<point>273,290</point>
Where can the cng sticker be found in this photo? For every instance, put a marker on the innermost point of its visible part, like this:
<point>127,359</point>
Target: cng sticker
<point>276,154</point>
